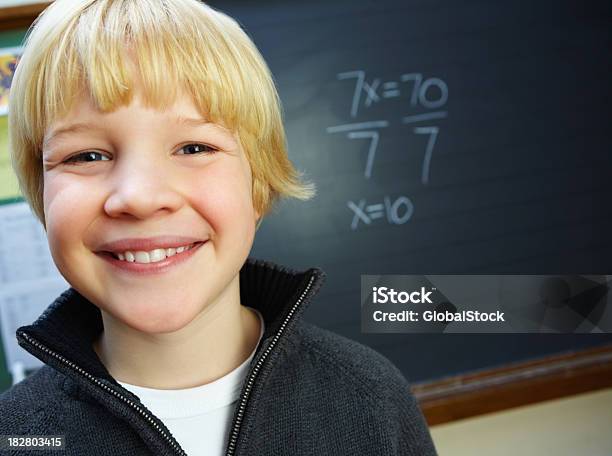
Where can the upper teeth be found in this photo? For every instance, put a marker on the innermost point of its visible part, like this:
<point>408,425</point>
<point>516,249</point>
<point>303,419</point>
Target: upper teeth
<point>153,256</point>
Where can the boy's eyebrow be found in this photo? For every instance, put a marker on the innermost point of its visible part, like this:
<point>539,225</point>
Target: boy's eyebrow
<point>73,128</point>
<point>80,126</point>
<point>192,122</point>
<point>196,122</point>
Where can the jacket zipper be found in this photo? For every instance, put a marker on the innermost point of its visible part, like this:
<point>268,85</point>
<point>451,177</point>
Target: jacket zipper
<point>233,438</point>
<point>148,416</point>
<point>145,414</point>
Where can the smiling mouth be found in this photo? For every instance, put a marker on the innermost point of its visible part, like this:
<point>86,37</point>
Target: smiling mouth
<point>152,256</point>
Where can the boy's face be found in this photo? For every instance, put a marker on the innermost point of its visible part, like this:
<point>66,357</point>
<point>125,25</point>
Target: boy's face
<point>142,174</point>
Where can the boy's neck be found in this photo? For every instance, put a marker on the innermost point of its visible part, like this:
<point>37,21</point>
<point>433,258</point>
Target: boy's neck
<point>211,346</point>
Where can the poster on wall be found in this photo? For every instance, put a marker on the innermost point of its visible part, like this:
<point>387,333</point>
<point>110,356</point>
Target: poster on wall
<point>9,57</point>
<point>29,280</point>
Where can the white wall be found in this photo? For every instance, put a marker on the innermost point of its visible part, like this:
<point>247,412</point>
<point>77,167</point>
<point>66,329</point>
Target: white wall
<point>7,3</point>
<point>577,425</point>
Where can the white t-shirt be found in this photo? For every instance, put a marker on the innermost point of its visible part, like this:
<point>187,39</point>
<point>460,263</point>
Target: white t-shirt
<point>198,418</point>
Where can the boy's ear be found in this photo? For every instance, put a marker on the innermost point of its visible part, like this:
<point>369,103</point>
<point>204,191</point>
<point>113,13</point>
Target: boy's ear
<point>258,219</point>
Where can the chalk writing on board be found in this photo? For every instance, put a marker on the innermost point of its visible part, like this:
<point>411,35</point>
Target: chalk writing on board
<point>420,93</point>
<point>396,212</point>
<point>366,131</point>
<point>431,142</point>
<point>418,89</point>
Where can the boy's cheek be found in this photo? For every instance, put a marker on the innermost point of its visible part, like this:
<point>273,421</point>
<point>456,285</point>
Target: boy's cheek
<point>65,191</point>
<point>224,203</point>
<point>69,208</point>
<point>65,251</point>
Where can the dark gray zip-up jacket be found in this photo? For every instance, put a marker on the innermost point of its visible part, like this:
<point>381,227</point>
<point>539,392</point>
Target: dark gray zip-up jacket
<point>308,391</point>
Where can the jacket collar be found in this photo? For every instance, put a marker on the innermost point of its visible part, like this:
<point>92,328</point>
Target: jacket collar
<point>71,323</point>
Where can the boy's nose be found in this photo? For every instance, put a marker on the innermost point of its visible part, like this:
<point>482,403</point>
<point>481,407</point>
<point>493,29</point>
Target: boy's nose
<point>141,190</point>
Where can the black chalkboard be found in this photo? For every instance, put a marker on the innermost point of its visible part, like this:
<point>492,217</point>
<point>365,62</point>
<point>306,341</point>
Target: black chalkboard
<point>444,137</point>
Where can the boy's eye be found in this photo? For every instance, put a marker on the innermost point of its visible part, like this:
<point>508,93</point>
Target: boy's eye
<point>85,157</point>
<point>198,148</point>
<point>91,156</point>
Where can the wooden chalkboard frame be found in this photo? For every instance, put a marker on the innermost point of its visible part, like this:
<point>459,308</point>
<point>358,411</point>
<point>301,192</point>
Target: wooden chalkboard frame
<point>20,16</point>
<point>515,385</point>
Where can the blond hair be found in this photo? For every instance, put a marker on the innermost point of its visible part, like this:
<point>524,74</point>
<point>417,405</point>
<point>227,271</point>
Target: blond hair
<point>77,45</point>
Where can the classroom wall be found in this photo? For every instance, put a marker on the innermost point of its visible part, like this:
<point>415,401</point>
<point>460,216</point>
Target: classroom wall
<point>577,425</point>
<point>9,3</point>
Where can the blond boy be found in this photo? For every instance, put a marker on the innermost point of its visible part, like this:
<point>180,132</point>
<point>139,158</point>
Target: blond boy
<point>148,140</point>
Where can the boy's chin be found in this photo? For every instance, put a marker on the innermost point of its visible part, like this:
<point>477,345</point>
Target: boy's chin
<point>156,322</point>
<point>163,326</point>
